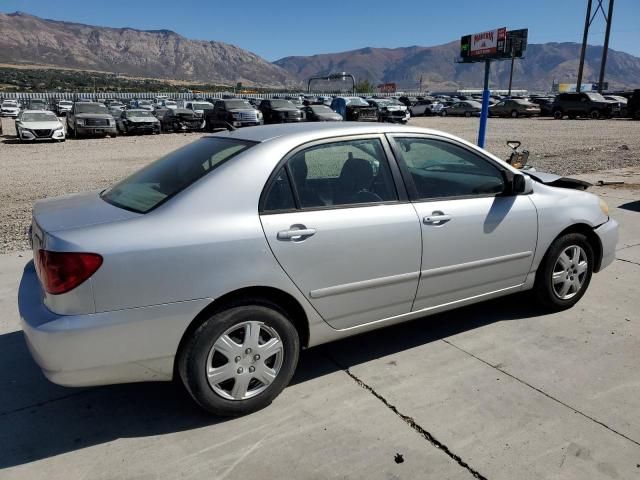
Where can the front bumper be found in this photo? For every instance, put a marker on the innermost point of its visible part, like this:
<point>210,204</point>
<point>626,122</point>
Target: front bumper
<point>85,131</point>
<point>11,114</point>
<point>130,345</point>
<point>608,235</point>
<point>30,136</point>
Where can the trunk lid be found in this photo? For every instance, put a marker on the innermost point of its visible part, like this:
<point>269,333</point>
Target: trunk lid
<point>75,211</point>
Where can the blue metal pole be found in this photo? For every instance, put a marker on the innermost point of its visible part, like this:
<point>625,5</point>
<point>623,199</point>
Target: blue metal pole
<point>485,105</point>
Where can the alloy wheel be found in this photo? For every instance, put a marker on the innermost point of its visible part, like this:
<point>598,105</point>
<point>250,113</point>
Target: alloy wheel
<point>569,272</point>
<point>244,360</point>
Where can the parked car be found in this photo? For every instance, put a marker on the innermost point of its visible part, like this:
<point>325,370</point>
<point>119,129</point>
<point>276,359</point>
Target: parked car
<point>466,108</point>
<point>235,112</point>
<point>9,108</point>
<point>390,110</point>
<point>180,120</point>
<point>633,105</point>
<point>320,113</point>
<point>145,105</point>
<point>622,101</point>
<point>32,125</point>
<point>426,107</point>
<point>62,107</point>
<point>216,264</point>
<point>514,108</point>
<point>137,121</point>
<point>584,104</point>
<point>90,118</point>
<point>36,104</point>
<point>278,110</point>
<point>545,104</point>
<point>199,107</point>
<point>408,101</point>
<point>354,109</point>
<point>168,104</point>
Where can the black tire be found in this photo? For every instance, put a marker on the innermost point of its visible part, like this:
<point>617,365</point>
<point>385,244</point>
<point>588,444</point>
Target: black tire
<point>558,114</point>
<point>544,285</point>
<point>443,113</point>
<point>595,114</point>
<point>467,114</point>
<point>192,359</point>
<point>514,114</point>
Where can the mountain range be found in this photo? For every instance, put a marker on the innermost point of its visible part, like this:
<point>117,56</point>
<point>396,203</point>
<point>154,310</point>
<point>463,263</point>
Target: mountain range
<point>29,40</point>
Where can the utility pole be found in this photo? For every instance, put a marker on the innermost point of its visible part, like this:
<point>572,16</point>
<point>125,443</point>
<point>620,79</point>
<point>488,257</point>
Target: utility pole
<point>585,35</point>
<point>587,23</point>
<point>603,64</point>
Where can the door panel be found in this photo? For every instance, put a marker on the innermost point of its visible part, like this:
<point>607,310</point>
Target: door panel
<point>483,245</point>
<point>355,265</point>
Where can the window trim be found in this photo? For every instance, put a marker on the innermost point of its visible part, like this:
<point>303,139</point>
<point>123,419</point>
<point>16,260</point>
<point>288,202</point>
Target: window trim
<point>408,178</point>
<point>396,176</point>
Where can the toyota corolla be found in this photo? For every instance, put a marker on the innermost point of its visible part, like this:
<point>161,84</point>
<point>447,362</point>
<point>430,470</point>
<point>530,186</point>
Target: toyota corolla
<point>216,264</point>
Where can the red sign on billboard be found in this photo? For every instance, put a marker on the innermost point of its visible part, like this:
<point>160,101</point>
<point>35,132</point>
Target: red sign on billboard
<point>488,43</point>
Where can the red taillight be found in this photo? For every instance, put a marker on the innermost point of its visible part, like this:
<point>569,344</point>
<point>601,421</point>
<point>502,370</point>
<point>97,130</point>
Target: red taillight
<point>60,272</point>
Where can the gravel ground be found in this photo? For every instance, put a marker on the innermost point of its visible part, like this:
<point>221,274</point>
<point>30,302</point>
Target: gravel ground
<point>33,171</point>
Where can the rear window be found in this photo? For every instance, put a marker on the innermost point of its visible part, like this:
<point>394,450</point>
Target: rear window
<point>158,182</point>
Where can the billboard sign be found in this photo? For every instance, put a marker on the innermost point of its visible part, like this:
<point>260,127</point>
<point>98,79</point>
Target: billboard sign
<point>488,44</point>
<point>516,43</point>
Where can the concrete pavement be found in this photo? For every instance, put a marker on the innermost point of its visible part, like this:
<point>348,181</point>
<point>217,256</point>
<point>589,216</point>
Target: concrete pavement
<point>496,391</point>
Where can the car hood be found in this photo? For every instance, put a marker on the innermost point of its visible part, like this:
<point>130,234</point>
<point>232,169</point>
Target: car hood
<point>329,115</point>
<point>558,181</point>
<point>75,211</point>
<point>94,115</point>
<point>48,125</point>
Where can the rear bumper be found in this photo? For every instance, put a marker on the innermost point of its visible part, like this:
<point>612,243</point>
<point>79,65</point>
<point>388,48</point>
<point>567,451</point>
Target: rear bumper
<point>608,235</point>
<point>131,345</point>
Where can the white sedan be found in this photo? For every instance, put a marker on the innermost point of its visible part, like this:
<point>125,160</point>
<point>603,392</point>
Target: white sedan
<point>39,125</point>
<point>9,108</point>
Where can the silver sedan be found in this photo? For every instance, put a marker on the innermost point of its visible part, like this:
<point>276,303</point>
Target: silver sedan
<point>217,263</point>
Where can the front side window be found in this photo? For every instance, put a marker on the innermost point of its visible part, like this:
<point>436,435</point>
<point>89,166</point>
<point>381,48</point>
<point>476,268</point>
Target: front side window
<point>342,173</point>
<point>441,169</point>
<point>164,178</point>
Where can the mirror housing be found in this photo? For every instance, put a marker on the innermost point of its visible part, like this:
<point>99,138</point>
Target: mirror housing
<point>517,183</point>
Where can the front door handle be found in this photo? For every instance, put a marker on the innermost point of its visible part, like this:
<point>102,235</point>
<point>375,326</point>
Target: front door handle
<point>436,218</point>
<point>296,233</point>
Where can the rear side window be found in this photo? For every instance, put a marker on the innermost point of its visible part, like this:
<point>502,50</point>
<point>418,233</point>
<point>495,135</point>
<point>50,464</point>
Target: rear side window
<point>158,182</point>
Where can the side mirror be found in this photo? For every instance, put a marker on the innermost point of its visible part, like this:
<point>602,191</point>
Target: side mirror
<point>519,184</point>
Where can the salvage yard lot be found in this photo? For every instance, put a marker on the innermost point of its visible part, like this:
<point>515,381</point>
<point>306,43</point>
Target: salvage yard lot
<point>498,390</point>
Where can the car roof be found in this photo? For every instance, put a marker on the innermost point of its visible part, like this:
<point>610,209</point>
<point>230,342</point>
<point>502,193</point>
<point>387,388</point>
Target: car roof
<point>302,131</point>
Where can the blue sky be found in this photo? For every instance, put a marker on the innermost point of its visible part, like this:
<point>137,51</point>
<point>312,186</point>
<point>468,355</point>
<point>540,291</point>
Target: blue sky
<point>274,29</point>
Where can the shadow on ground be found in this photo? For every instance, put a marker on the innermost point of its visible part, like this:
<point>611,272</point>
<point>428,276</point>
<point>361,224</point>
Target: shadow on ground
<point>40,420</point>
<point>633,206</point>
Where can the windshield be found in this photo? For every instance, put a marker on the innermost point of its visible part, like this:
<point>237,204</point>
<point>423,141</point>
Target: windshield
<point>596,96</point>
<point>164,178</point>
<point>238,104</point>
<point>139,113</point>
<point>39,117</point>
<point>91,108</point>
<point>201,106</point>
<point>321,109</point>
<point>282,104</point>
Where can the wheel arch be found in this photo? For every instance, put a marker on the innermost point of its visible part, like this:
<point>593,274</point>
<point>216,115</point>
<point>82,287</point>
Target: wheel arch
<point>592,238</point>
<point>267,296</point>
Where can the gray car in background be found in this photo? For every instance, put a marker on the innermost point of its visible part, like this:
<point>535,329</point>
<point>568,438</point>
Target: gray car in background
<point>217,263</point>
<point>464,108</point>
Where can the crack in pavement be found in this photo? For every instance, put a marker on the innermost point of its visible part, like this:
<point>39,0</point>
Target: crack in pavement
<point>627,261</point>
<point>44,402</point>
<point>410,421</point>
<point>602,424</point>
<point>627,246</point>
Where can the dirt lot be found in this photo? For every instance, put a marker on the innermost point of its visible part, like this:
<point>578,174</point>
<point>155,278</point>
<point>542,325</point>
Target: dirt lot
<point>33,171</point>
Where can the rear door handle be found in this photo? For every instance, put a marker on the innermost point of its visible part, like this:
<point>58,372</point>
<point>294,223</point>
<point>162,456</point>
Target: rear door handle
<point>436,218</point>
<point>296,233</point>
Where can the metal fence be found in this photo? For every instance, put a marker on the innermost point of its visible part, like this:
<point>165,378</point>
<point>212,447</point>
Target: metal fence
<point>174,95</point>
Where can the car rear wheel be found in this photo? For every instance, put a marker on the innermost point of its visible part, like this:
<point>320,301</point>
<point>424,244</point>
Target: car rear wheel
<point>595,114</point>
<point>514,114</point>
<point>240,359</point>
<point>443,113</point>
<point>557,114</point>
<point>565,272</point>
<point>467,114</point>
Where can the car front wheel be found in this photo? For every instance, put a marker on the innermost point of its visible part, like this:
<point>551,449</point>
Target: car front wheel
<point>240,359</point>
<point>565,273</point>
